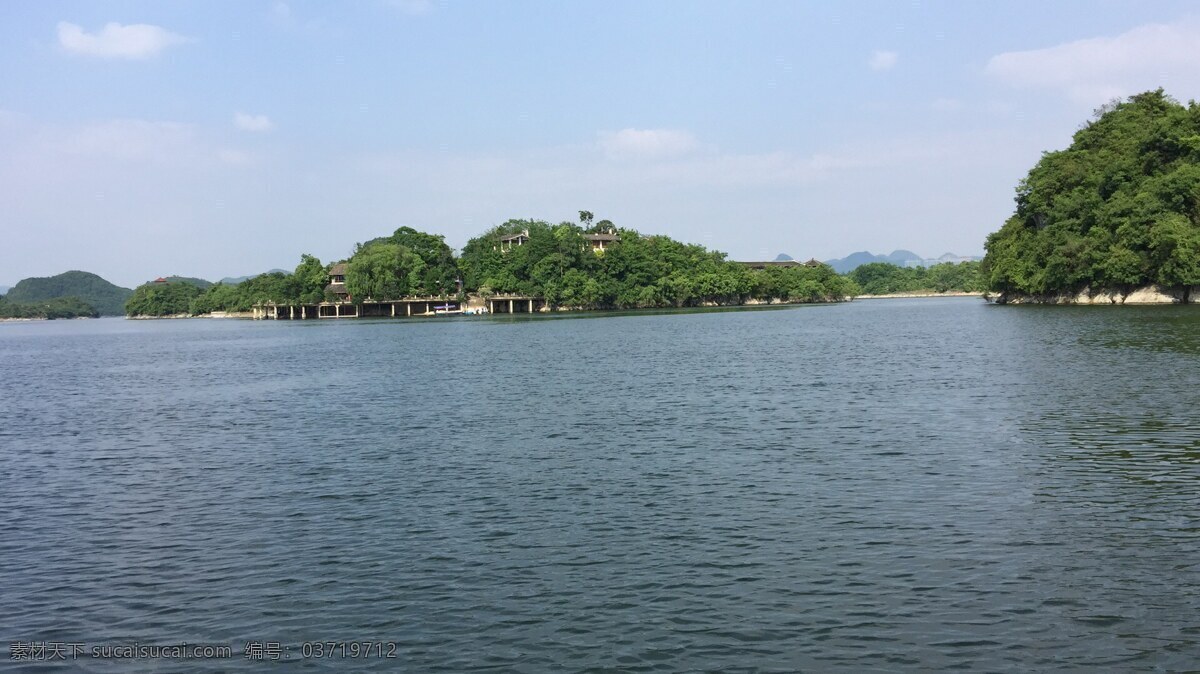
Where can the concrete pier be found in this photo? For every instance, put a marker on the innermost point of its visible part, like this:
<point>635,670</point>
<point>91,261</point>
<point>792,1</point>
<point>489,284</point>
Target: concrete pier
<point>424,306</point>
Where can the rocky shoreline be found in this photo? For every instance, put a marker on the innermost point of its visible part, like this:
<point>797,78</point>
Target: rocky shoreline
<point>1151,294</point>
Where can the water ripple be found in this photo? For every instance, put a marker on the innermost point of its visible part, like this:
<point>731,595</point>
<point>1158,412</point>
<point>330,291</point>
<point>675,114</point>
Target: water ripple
<point>898,485</point>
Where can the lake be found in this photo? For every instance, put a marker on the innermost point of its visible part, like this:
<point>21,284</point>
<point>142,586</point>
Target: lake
<point>884,485</point>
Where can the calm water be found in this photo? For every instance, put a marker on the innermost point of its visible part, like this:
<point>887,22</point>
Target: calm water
<point>889,485</point>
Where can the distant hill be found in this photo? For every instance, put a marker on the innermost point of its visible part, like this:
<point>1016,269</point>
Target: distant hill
<point>783,257</point>
<point>852,261</point>
<point>234,280</point>
<point>198,282</point>
<point>4,289</point>
<point>900,258</point>
<point>106,298</point>
<point>59,307</point>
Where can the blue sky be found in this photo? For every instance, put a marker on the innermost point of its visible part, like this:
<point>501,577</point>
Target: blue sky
<point>212,139</point>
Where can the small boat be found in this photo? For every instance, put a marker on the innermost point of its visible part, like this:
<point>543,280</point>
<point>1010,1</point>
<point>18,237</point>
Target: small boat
<point>446,310</point>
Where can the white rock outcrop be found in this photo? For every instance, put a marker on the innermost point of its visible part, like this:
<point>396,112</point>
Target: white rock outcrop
<point>1151,294</point>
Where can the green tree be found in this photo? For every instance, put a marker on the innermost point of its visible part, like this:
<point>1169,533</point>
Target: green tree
<point>384,271</point>
<point>1175,251</point>
<point>311,278</point>
<point>162,299</point>
<point>1119,208</point>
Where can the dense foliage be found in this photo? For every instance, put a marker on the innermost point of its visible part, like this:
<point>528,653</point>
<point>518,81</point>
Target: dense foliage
<point>160,298</point>
<point>406,263</point>
<point>558,263</point>
<point>881,278</point>
<point>305,285</point>
<point>57,307</point>
<point>198,282</point>
<point>1119,208</point>
<point>104,297</point>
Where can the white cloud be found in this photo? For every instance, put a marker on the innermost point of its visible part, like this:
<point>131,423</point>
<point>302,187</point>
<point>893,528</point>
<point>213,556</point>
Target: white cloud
<point>883,60</point>
<point>283,17</point>
<point>134,41</point>
<point>1097,69</point>
<point>247,122</point>
<point>646,143</point>
<point>281,11</point>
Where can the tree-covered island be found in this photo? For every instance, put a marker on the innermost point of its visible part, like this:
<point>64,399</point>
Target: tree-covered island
<point>883,278</point>
<point>1114,217</point>
<point>581,265</point>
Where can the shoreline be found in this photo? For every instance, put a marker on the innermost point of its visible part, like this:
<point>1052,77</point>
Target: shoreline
<point>42,318</point>
<point>216,314</point>
<point>1143,295</point>
<point>918,294</point>
<point>763,304</point>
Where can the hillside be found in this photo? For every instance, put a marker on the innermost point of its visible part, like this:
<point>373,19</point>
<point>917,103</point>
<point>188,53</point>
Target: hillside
<point>198,282</point>
<point>59,307</point>
<point>108,299</point>
<point>1117,211</point>
<point>234,280</point>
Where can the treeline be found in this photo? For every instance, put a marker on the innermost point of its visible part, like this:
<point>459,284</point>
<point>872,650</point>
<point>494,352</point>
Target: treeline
<point>556,262</point>
<point>177,296</point>
<point>59,307</point>
<point>882,278</point>
<point>1118,209</point>
<point>407,263</point>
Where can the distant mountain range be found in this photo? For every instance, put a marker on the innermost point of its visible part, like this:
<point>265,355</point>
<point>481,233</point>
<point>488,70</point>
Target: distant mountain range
<point>900,258</point>
<point>106,298</point>
<point>234,280</point>
<point>198,282</point>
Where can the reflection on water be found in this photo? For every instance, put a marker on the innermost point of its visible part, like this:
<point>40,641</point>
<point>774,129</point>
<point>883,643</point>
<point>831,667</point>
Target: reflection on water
<point>900,485</point>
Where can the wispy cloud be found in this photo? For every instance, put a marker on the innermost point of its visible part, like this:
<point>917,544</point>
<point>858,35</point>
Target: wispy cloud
<point>136,140</point>
<point>282,17</point>
<point>628,144</point>
<point>234,157</point>
<point>247,122</point>
<point>128,144</point>
<point>133,41</point>
<point>412,7</point>
<point>1100,68</point>
<point>883,60</point>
